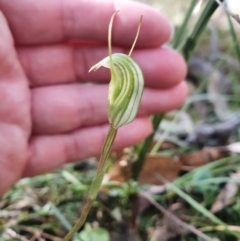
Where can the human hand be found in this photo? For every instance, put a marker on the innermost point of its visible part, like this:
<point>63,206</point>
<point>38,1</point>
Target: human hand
<point>47,119</point>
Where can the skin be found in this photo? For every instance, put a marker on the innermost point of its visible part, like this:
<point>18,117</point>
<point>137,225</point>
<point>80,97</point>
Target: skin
<point>47,118</point>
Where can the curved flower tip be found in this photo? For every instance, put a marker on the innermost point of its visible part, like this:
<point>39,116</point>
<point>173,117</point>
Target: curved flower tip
<point>105,63</point>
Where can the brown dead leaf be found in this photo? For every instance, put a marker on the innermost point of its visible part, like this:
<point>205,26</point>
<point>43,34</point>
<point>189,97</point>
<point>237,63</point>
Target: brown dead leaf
<point>198,158</point>
<point>226,195</point>
<point>165,166</point>
<point>161,165</point>
<point>167,229</point>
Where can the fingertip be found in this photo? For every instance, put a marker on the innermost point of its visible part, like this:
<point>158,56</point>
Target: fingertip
<point>155,101</point>
<point>174,66</point>
<point>162,67</point>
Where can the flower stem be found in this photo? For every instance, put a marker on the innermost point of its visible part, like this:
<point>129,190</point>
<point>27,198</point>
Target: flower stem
<point>96,183</point>
<point>112,132</point>
<point>80,221</point>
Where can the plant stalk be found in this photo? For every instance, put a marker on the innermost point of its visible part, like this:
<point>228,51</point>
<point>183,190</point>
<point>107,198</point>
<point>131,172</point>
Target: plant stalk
<point>234,37</point>
<point>96,183</point>
<point>181,31</point>
<point>191,41</point>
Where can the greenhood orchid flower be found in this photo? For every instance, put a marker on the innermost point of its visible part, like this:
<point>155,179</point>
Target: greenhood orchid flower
<point>125,89</point>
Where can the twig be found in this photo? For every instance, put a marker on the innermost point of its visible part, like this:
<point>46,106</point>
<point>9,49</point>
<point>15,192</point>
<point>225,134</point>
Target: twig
<point>235,16</point>
<point>221,228</point>
<point>41,232</point>
<point>9,233</point>
<point>174,218</point>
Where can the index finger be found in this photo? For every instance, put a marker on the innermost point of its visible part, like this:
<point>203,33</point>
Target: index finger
<point>41,22</point>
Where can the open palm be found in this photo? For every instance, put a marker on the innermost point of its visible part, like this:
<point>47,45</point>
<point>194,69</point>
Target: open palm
<point>46,117</point>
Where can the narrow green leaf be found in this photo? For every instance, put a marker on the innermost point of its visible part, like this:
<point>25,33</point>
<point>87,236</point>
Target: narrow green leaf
<point>57,213</point>
<point>195,204</point>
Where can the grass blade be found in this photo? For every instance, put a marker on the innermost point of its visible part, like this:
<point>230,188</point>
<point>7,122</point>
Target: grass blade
<point>198,207</point>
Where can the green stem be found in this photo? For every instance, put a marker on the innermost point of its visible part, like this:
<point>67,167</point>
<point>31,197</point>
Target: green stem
<point>96,183</point>
<point>234,37</point>
<point>181,31</point>
<point>81,220</point>
<point>191,41</point>
<point>106,149</point>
